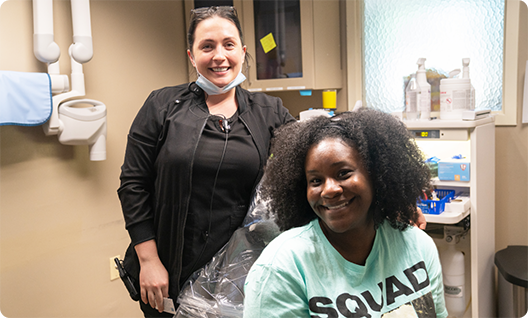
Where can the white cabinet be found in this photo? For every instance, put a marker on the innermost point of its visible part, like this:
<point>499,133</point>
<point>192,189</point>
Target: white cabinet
<point>475,140</point>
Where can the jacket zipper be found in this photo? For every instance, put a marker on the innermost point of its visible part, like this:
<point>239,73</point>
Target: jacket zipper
<point>261,164</point>
<point>182,238</point>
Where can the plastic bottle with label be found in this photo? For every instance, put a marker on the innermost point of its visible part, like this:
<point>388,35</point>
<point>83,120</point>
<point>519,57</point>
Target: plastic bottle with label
<point>412,99</point>
<point>455,96</point>
<point>425,91</point>
<point>453,273</point>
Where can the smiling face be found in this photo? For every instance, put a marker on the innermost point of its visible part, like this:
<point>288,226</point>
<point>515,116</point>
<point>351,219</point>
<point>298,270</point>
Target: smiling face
<point>217,52</point>
<point>339,189</point>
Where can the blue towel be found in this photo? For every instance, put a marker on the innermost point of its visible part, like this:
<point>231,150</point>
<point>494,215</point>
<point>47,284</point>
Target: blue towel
<point>25,98</point>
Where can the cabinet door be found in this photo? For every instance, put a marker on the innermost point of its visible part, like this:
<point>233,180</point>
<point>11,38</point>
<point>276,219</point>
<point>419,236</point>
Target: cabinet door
<point>279,37</point>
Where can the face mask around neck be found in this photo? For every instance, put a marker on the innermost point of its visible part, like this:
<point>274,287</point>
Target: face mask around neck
<point>212,89</point>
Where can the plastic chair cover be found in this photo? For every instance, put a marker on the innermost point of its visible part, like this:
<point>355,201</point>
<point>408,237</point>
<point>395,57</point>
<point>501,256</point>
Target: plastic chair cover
<point>217,290</point>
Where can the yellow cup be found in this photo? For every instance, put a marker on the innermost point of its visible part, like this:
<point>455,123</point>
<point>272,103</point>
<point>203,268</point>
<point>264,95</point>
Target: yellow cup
<point>330,98</point>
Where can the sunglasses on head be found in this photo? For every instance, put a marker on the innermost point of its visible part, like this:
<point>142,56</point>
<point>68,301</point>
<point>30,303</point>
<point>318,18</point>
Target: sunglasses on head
<point>213,9</point>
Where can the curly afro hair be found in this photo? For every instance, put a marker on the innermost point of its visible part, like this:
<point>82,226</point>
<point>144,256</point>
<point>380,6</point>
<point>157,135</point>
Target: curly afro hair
<point>394,162</point>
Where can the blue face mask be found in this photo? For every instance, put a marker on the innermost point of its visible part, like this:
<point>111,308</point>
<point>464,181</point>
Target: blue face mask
<point>212,89</point>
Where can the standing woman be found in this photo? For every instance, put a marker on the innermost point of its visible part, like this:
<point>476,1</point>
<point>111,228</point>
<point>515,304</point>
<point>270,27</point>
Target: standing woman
<point>194,155</point>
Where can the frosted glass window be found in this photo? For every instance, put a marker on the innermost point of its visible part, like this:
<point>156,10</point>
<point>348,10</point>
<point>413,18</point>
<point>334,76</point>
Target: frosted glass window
<point>397,33</point>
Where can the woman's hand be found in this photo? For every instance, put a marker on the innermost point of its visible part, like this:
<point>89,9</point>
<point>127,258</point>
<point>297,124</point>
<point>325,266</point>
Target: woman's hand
<point>153,277</point>
<point>421,222</point>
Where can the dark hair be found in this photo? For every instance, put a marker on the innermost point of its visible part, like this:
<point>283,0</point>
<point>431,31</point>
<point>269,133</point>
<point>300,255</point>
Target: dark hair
<point>393,160</point>
<point>200,14</point>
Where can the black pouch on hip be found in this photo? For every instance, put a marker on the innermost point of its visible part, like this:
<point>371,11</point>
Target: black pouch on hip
<point>127,280</point>
<point>131,282</point>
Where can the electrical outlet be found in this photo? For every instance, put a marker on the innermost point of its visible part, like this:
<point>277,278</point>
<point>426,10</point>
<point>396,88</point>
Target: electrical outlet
<point>114,273</point>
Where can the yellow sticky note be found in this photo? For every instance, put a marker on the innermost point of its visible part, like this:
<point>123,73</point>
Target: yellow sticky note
<point>268,43</point>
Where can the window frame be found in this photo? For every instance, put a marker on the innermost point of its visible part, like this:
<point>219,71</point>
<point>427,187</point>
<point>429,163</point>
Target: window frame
<point>507,116</point>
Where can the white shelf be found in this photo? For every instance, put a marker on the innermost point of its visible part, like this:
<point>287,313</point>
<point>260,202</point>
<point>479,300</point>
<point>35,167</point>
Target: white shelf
<point>446,217</point>
<point>438,182</point>
<point>455,211</point>
<point>442,123</point>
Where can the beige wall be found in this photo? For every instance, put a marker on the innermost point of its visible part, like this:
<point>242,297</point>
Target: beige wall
<point>511,158</point>
<point>60,218</point>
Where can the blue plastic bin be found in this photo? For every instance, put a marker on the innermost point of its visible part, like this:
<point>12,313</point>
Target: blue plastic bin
<point>436,206</point>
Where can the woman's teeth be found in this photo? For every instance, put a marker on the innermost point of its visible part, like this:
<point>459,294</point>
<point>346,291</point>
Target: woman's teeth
<point>337,206</point>
<point>220,69</point>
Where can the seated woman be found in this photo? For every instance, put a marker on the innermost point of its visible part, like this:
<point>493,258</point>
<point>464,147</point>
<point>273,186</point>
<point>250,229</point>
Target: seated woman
<point>345,191</point>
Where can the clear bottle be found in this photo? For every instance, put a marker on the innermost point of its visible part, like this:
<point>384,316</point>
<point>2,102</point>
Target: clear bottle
<point>425,91</point>
<point>465,74</point>
<point>412,99</point>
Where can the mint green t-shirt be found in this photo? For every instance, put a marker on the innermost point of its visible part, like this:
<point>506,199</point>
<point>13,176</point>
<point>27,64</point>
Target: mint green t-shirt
<point>300,274</point>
